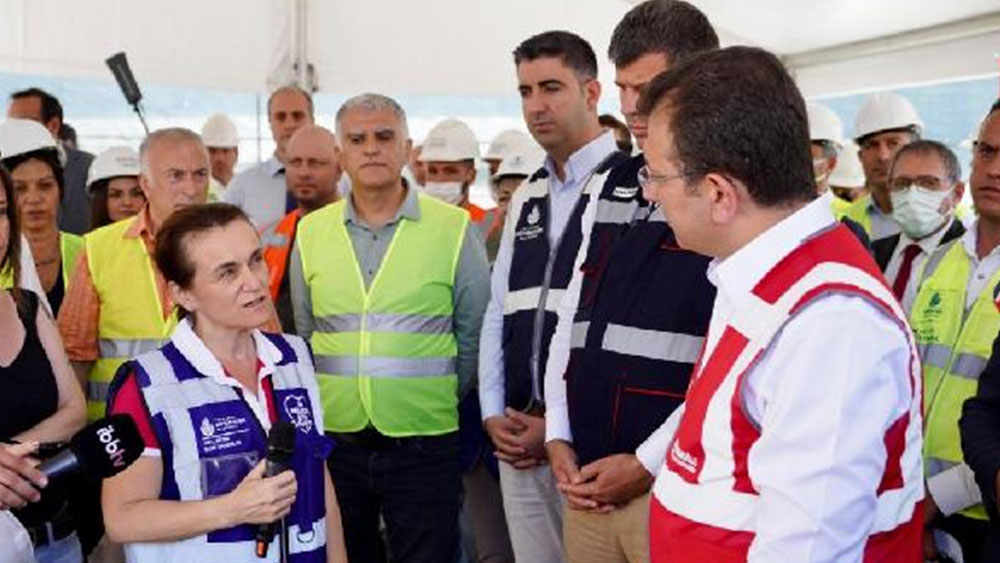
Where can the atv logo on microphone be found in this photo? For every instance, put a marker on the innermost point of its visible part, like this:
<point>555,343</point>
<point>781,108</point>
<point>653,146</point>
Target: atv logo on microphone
<point>112,445</point>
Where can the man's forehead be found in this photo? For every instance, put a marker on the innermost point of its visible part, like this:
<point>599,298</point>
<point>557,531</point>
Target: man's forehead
<point>990,131</point>
<point>543,69</point>
<point>360,120</point>
<point>26,107</point>
<point>178,154</point>
<point>918,163</point>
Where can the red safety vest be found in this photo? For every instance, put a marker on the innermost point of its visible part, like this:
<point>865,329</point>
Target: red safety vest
<point>704,506</point>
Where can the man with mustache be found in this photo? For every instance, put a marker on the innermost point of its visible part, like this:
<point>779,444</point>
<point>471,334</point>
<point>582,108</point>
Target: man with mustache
<point>557,81</point>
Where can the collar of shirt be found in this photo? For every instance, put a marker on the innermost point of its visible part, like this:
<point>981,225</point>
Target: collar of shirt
<point>740,272</point>
<point>582,162</point>
<point>194,350</point>
<point>410,209</point>
<point>142,227</point>
<point>928,243</point>
<point>970,240</point>
<point>274,166</point>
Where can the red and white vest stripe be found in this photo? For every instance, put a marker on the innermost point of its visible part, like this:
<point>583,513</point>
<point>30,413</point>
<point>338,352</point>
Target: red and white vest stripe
<point>704,504</point>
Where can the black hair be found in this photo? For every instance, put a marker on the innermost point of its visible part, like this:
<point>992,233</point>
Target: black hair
<point>11,259</point>
<point>50,104</point>
<point>737,112</point>
<point>673,28</point>
<point>573,50</point>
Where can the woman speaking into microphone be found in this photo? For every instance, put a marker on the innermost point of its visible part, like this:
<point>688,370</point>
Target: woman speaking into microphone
<point>204,404</point>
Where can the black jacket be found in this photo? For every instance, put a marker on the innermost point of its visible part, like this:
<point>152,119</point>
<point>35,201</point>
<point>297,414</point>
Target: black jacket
<point>980,428</point>
<point>884,247</point>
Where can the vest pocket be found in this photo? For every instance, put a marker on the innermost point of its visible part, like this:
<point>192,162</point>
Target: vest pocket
<point>639,411</point>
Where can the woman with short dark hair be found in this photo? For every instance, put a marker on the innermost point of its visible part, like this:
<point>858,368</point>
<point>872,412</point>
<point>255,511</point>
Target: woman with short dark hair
<point>207,400</point>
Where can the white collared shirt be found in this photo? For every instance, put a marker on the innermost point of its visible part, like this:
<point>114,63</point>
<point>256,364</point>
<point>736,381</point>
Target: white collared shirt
<point>260,192</point>
<point>927,246</point>
<point>823,395</point>
<point>982,268</point>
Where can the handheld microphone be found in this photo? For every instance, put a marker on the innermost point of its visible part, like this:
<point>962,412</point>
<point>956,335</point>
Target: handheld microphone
<point>280,447</point>
<point>103,449</point>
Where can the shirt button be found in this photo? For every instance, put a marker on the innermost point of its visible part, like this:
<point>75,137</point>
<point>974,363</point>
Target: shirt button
<point>374,237</point>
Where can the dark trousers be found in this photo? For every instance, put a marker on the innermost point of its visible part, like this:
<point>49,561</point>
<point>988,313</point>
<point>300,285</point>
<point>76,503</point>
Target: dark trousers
<point>414,484</point>
<point>970,533</point>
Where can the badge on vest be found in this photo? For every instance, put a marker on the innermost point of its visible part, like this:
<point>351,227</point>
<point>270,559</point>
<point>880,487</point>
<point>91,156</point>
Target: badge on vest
<point>222,430</point>
<point>531,227</point>
<point>625,192</point>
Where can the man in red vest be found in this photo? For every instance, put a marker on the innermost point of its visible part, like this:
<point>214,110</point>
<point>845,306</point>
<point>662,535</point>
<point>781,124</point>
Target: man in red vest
<point>312,170</point>
<point>786,448</point>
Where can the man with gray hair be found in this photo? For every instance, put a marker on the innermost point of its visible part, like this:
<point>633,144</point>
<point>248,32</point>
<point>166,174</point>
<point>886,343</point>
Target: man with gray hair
<point>925,187</point>
<point>395,339</point>
<point>117,304</point>
<point>260,191</point>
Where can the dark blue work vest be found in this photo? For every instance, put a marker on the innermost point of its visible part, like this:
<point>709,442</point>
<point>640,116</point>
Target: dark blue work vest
<point>644,310</point>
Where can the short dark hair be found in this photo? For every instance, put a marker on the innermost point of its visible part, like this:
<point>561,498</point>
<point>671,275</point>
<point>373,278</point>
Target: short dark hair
<point>291,88</point>
<point>994,107</point>
<point>573,50</point>
<point>11,259</point>
<point>171,253</point>
<point>48,156</point>
<point>50,104</point>
<point>952,168</point>
<point>67,133</point>
<point>671,27</point>
<point>737,112</point>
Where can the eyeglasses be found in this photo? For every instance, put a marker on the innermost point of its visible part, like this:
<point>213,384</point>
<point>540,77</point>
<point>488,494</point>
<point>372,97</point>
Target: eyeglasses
<point>647,178</point>
<point>925,182</point>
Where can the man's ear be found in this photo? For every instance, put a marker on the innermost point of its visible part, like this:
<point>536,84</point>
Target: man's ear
<point>723,195</point>
<point>592,91</point>
<point>957,193</point>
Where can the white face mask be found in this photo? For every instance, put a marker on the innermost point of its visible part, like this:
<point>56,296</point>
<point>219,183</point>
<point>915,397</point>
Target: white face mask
<point>448,192</point>
<point>820,178</point>
<point>920,211</point>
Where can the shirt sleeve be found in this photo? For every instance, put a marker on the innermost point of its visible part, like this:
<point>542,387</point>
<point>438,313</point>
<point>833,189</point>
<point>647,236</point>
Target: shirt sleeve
<point>128,400</point>
<point>954,489</point>
<point>491,369</point>
<point>80,313</point>
<point>301,298</point>
<point>653,452</point>
<point>557,425</point>
<point>823,417</point>
<point>471,292</point>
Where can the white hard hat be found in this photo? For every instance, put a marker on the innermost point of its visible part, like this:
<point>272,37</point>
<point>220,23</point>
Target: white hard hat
<point>824,124</point>
<point>21,136</point>
<point>848,172</point>
<point>521,160</point>
<point>505,143</point>
<point>113,163</point>
<point>884,111</point>
<point>450,141</point>
<point>220,132</point>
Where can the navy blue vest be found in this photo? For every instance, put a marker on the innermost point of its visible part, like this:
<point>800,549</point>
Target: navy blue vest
<point>528,329</point>
<point>644,309</point>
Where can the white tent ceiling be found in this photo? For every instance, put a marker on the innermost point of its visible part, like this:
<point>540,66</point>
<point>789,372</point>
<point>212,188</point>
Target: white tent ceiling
<point>463,46</point>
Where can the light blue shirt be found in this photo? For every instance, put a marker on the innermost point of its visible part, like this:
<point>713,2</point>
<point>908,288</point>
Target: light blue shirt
<point>260,192</point>
<point>563,195</point>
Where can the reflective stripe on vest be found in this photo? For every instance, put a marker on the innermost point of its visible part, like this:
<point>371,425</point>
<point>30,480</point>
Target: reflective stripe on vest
<point>652,344</point>
<point>131,318</point>
<point>955,346</point>
<point>707,481</point>
<point>277,243</point>
<point>385,355</point>
<point>213,437</point>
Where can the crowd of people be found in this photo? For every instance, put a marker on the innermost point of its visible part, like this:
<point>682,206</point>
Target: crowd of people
<point>725,330</point>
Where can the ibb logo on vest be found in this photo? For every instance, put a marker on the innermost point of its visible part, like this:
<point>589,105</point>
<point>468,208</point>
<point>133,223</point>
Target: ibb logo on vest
<point>112,445</point>
<point>531,230</point>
